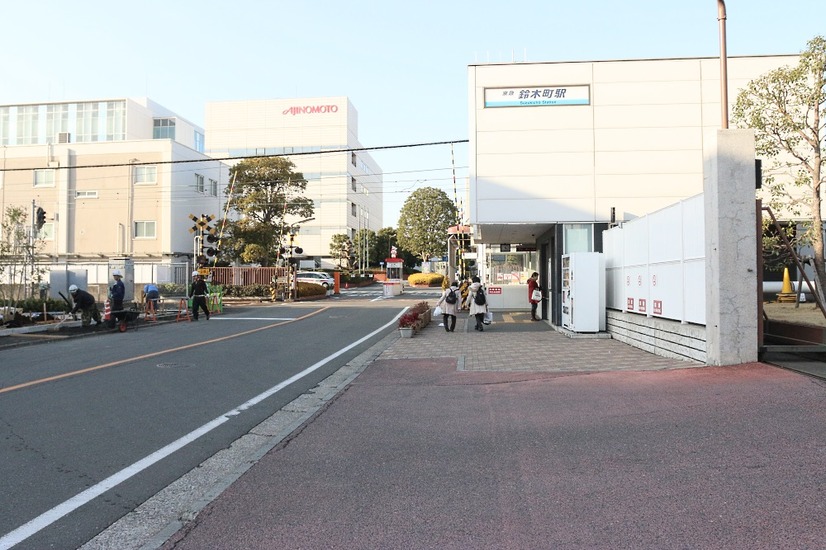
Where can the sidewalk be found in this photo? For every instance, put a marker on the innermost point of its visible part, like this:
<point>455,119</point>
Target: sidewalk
<point>519,437</point>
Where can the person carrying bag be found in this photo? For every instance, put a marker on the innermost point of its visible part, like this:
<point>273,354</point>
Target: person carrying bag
<point>534,294</point>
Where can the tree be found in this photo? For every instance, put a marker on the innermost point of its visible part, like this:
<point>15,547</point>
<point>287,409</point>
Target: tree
<point>17,254</point>
<point>423,222</point>
<point>785,107</point>
<point>264,191</point>
<point>341,249</point>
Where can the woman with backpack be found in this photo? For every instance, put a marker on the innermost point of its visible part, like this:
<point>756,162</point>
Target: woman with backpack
<point>477,302</point>
<point>449,302</point>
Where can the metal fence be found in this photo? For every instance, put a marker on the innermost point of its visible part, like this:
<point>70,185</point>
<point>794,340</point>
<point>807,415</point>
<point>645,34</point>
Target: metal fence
<point>243,276</point>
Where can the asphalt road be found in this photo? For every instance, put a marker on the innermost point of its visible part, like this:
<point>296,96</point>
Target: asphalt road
<point>92,427</point>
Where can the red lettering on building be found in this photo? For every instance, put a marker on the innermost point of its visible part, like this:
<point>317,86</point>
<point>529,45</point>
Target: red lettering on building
<point>658,307</point>
<point>641,307</point>
<point>630,304</point>
<point>310,109</point>
<point>495,290</point>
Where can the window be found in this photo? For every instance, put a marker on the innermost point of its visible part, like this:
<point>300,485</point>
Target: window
<point>164,128</point>
<point>87,122</point>
<point>27,121</point>
<point>199,183</point>
<point>4,125</point>
<point>144,230</point>
<point>353,183</point>
<point>115,120</point>
<point>354,159</point>
<point>213,187</point>
<point>199,141</point>
<point>578,237</point>
<point>44,178</point>
<point>86,194</point>
<point>57,121</point>
<point>353,209</point>
<point>146,175</point>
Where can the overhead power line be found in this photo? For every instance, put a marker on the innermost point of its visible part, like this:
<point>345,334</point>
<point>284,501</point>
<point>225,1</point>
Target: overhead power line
<point>189,161</point>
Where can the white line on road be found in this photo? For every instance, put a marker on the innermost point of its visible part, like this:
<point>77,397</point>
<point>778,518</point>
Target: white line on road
<point>61,510</point>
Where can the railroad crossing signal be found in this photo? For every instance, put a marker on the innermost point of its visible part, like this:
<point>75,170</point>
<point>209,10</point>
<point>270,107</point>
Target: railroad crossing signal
<point>201,224</point>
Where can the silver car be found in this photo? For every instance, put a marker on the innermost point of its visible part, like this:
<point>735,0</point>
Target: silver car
<point>317,277</point>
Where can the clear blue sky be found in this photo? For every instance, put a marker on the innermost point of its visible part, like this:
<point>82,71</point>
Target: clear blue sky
<point>402,64</point>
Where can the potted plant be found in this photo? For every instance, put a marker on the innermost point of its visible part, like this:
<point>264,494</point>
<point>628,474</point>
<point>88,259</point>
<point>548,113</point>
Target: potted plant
<point>407,322</point>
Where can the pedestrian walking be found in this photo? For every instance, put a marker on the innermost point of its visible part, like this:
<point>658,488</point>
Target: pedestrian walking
<point>477,303</point>
<point>198,291</point>
<point>449,302</point>
<point>86,304</point>
<point>534,294</point>
<point>117,292</point>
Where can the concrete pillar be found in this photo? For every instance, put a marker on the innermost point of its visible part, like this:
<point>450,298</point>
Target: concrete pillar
<point>730,245</point>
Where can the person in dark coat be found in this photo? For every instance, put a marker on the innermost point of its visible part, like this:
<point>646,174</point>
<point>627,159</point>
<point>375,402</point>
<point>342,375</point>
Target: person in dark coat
<point>198,291</point>
<point>116,294</point>
<point>85,303</point>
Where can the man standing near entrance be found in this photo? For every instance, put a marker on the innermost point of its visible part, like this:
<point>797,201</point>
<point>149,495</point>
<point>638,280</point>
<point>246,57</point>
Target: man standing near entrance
<point>534,294</point>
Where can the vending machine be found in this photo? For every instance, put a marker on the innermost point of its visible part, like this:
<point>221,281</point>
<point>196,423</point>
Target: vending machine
<point>583,291</point>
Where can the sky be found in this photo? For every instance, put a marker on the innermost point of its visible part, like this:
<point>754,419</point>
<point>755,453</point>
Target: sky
<point>403,65</point>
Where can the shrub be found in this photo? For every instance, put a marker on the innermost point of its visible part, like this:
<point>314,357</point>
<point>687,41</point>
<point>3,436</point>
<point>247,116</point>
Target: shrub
<point>172,289</point>
<point>426,279</point>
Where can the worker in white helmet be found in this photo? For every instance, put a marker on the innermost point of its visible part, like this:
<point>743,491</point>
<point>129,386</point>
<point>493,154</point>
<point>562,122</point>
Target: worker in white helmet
<point>198,291</point>
<point>117,291</point>
<point>85,303</point>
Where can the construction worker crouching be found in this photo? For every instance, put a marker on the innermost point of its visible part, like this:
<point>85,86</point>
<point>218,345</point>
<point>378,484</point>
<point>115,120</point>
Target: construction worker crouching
<point>85,303</point>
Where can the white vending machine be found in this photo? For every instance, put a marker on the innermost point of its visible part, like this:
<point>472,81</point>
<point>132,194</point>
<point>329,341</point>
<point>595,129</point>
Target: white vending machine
<point>583,291</point>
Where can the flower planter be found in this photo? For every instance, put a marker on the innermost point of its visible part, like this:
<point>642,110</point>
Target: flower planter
<point>406,332</point>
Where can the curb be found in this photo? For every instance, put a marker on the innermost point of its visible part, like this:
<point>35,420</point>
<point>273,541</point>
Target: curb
<point>161,517</point>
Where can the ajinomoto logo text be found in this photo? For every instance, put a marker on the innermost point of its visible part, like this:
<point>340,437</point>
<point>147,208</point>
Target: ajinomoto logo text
<point>310,110</point>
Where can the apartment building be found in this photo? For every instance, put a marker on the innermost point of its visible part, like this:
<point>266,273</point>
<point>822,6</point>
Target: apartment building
<point>116,177</point>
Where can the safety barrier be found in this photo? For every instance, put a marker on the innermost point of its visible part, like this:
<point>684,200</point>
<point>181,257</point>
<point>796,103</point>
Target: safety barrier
<point>183,311</point>
<point>149,313</point>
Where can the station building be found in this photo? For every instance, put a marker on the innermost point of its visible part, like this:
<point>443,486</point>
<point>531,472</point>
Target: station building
<point>560,151</point>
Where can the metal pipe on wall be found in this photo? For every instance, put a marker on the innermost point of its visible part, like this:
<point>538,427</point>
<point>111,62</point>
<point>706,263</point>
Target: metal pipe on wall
<point>721,17</point>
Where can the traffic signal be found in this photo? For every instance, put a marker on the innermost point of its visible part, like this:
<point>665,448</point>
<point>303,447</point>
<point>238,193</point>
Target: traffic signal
<point>209,250</point>
<point>40,218</point>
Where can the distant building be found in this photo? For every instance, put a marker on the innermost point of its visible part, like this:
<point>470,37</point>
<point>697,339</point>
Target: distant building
<point>346,185</point>
<point>116,177</point>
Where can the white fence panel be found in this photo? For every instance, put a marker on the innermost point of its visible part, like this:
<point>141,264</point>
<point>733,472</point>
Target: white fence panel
<point>655,264</point>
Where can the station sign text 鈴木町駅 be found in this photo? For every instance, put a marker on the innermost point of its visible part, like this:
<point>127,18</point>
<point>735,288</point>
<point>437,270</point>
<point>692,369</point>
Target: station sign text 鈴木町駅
<point>537,96</point>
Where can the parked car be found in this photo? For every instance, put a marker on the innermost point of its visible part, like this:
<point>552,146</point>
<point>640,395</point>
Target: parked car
<point>317,277</point>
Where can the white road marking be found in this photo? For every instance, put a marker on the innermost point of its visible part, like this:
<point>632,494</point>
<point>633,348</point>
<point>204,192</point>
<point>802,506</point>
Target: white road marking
<point>61,510</point>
